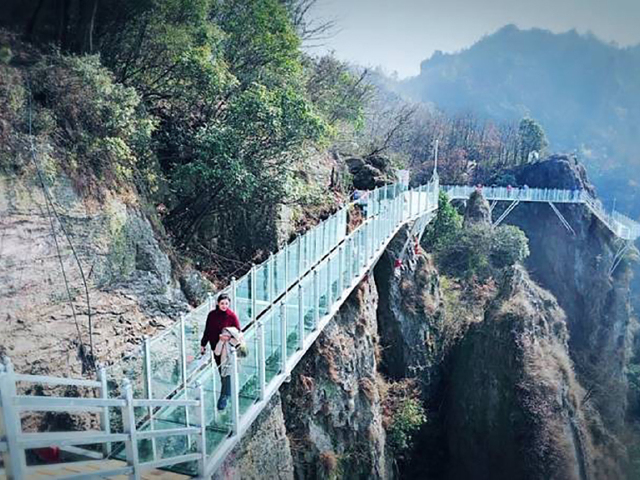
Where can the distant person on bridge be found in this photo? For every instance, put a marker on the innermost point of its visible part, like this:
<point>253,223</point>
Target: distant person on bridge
<point>361,199</point>
<point>219,319</point>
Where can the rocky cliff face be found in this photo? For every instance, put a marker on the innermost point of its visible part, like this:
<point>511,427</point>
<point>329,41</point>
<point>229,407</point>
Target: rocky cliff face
<point>264,452</point>
<point>517,384</point>
<point>513,406</point>
<point>332,405</point>
<point>575,268</point>
<point>409,310</point>
<point>132,291</point>
<point>327,421</point>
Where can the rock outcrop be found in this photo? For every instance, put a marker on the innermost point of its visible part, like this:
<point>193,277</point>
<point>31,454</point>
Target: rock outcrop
<point>264,452</point>
<point>513,406</point>
<point>576,270</point>
<point>477,211</point>
<point>332,406</point>
<point>129,278</point>
<point>370,172</point>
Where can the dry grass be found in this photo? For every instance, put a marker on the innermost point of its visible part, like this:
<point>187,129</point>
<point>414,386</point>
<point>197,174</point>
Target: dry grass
<point>394,394</point>
<point>329,462</point>
<point>368,389</point>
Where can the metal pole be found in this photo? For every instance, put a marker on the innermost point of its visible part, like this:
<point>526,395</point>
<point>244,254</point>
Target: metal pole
<point>300,317</point>
<point>234,303</point>
<point>366,233</point>
<point>340,270</point>
<point>350,261</point>
<point>270,278</point>
<point>214,369</point>
<point>316,299</point>
<point>313,248</point>
<point>262,377</point>
<point>149,389</point>
<point>410,193</point>
<point>201,439</point>
<point>13,456</point>
<point>235,392</point>
<point>254,303</point>
<point>105,421</point>
<point>183,354</point>
<point>129,427</point>
<point>283,335</point>
<point>286,268</point>
<point>329,302</point>
<point>300,259</point>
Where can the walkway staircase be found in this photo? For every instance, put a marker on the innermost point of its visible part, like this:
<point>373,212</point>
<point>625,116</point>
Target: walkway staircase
<point>157,409</point>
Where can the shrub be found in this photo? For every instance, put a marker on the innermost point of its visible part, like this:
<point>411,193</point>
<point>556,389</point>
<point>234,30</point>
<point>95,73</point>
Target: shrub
<point>406,421</point>
<point>445,227</point>
<point>481,250</point>
<point>403,414</point>
<point>509,245</point>
<point>100,122</point>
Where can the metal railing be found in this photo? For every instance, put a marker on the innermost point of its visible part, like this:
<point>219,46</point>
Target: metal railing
<point>621,225</point>
<point>15,442</point>
<point>285,303</point>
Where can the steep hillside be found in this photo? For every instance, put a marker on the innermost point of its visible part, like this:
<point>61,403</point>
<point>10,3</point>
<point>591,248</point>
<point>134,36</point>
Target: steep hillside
<point>585,93</point>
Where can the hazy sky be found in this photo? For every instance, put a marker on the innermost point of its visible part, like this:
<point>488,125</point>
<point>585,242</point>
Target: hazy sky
<point>399,34</point>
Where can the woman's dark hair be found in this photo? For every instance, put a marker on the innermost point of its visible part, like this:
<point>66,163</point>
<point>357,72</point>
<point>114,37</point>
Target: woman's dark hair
<point>222,296</point>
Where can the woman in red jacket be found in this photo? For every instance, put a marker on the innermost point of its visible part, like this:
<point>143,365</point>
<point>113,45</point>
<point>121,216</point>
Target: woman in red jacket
<point>217,320</point>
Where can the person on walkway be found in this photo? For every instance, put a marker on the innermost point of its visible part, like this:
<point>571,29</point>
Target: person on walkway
<point>218,320</point>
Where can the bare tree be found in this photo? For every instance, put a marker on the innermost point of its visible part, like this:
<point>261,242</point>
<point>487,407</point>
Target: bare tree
<point>311,30</point>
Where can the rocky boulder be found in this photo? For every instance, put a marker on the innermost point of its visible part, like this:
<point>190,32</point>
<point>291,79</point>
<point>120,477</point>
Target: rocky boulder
<point>556,171</point>
<point>370,172</point>
<point>477,211</point>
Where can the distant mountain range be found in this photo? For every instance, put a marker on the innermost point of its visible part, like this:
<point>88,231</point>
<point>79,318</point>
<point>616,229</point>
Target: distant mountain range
<point>584,92</point>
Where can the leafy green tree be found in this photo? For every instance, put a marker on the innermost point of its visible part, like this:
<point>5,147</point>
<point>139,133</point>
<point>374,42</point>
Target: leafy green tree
<point>532,138</point>
<point>337,94</point>
<point>445,226</point>
<point>509,245</point>
<point>481,250</point>
<point>406,422</point>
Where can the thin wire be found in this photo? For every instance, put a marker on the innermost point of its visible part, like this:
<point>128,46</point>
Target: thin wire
<point>88,362</point>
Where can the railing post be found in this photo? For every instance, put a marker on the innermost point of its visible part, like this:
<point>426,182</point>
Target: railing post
<point>183,354</point>
<point>210,300</point>
<point>366,235</point>
<point>286,268</point>
<point>283,335</point>
<point>234,302</point>
<point>149,391</point>
<point>300,317</point>
<point>262,378</point>
<point>399,206</point>
<point>254,303</point>
<point>323,246</point>
<point>329,282</point>
<point>201,439</point>
<point>270,278</point>
<point>15,462</point>
<point>300,259</point>
<point>214,369</point>
<point>129,427</point>
<point>350,261</point>
<point>340,270</point>
<point>410,193</point>
<point>316,299</point>
<point>105,420</point>
<point>235,392</point>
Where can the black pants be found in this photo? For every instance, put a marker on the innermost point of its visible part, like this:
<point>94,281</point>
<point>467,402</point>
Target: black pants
<point>226,381</point>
